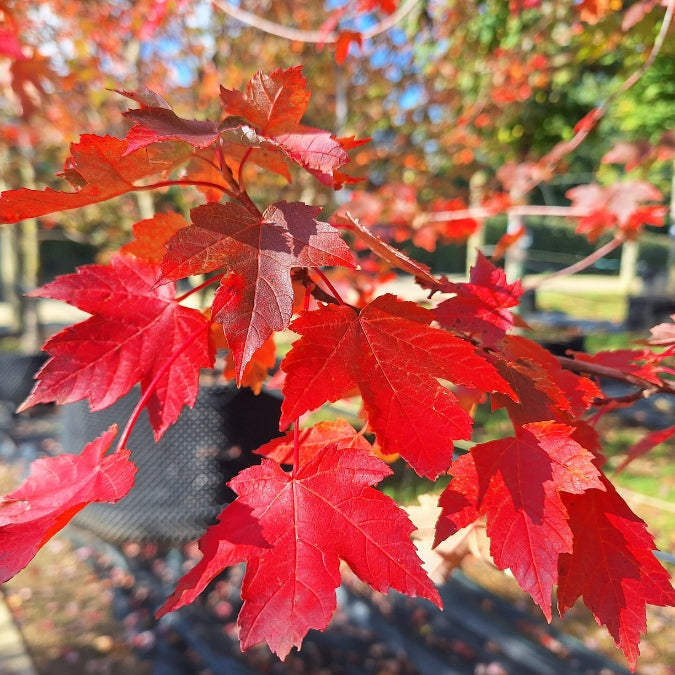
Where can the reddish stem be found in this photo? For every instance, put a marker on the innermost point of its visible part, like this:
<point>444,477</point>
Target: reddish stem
<point>133,418</point>
<point>204,284</point>
<point>308,296</point>
<point>296,446</point>
<point>581,264</point>
<point>196,183</point>
<point>325,280</point>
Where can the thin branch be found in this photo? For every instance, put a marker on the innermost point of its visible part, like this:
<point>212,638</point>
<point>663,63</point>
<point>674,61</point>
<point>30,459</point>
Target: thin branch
<point>580,265</point>
<point>311,36</point>
<point>588,368</point>
<point>195,183</point>
<point>480,212</point>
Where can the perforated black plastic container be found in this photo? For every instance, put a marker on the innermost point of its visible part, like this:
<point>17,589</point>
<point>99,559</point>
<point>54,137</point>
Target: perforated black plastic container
<point>180,484</point>
<point>16,375</point>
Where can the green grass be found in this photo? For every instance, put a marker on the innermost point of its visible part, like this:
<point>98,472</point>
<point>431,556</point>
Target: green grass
<point>590,306</point>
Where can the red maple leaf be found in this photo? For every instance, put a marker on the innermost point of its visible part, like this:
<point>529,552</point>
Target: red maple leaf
<point>135,328</point>
<point>395,358</point>
<point>481,307</point>
<point>274,105</point>
<point>255,298</point>
<point>612,566</point>
<point>312,440</point>
<point>98,168</point>
<point>56,489</point>
<point>618,205</point>
<point>518,484</point>
<point>544,390</point>
<point>156,121</point>
<point>292,531</point>
<point>627,361</point>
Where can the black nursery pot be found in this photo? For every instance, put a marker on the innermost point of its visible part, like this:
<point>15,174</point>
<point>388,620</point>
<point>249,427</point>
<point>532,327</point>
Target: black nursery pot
<point>16,375</point>
<point>180,483</point>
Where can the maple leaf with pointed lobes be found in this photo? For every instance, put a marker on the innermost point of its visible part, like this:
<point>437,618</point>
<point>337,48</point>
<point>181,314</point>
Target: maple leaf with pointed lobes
<point>517,483</point>
<point>255,297</point>
<point>395,357</point>
<point>481,307</point>
<point>274,104</point>
<point>292,531</point>
<point>98,167</point>
<point>135,328</point>
<point>612,566</point>
<point>312,440</point>
<point>616,205</point>
<point>545,391</point>
<point>56,489</point>
<point>156,121</point>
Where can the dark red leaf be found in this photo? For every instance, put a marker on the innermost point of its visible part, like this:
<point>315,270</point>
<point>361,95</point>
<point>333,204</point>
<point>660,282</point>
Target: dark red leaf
<point>255,298</point>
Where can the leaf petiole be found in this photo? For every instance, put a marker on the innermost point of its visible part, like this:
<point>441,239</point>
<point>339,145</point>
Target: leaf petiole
<point>133,418</point>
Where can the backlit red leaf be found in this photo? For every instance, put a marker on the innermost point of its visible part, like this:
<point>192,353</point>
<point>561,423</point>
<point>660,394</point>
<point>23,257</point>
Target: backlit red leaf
<point>56,489</point>
<point>337,432</point>
<point>517,483</point>
<point>395,358</point>
<point>255,298</point>
<point>545,391</point>
<point>293,531</point>
<point>612,567</point>
<point>151,236</point>
<point>274,104</point>
<point>135,328</point>
<point>481,308</point>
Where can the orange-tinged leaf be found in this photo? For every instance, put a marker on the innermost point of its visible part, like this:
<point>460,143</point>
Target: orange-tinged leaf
<point>257,369</point>
<point>338,432</point>
<point>98,166</point>
<point>152,234</point>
